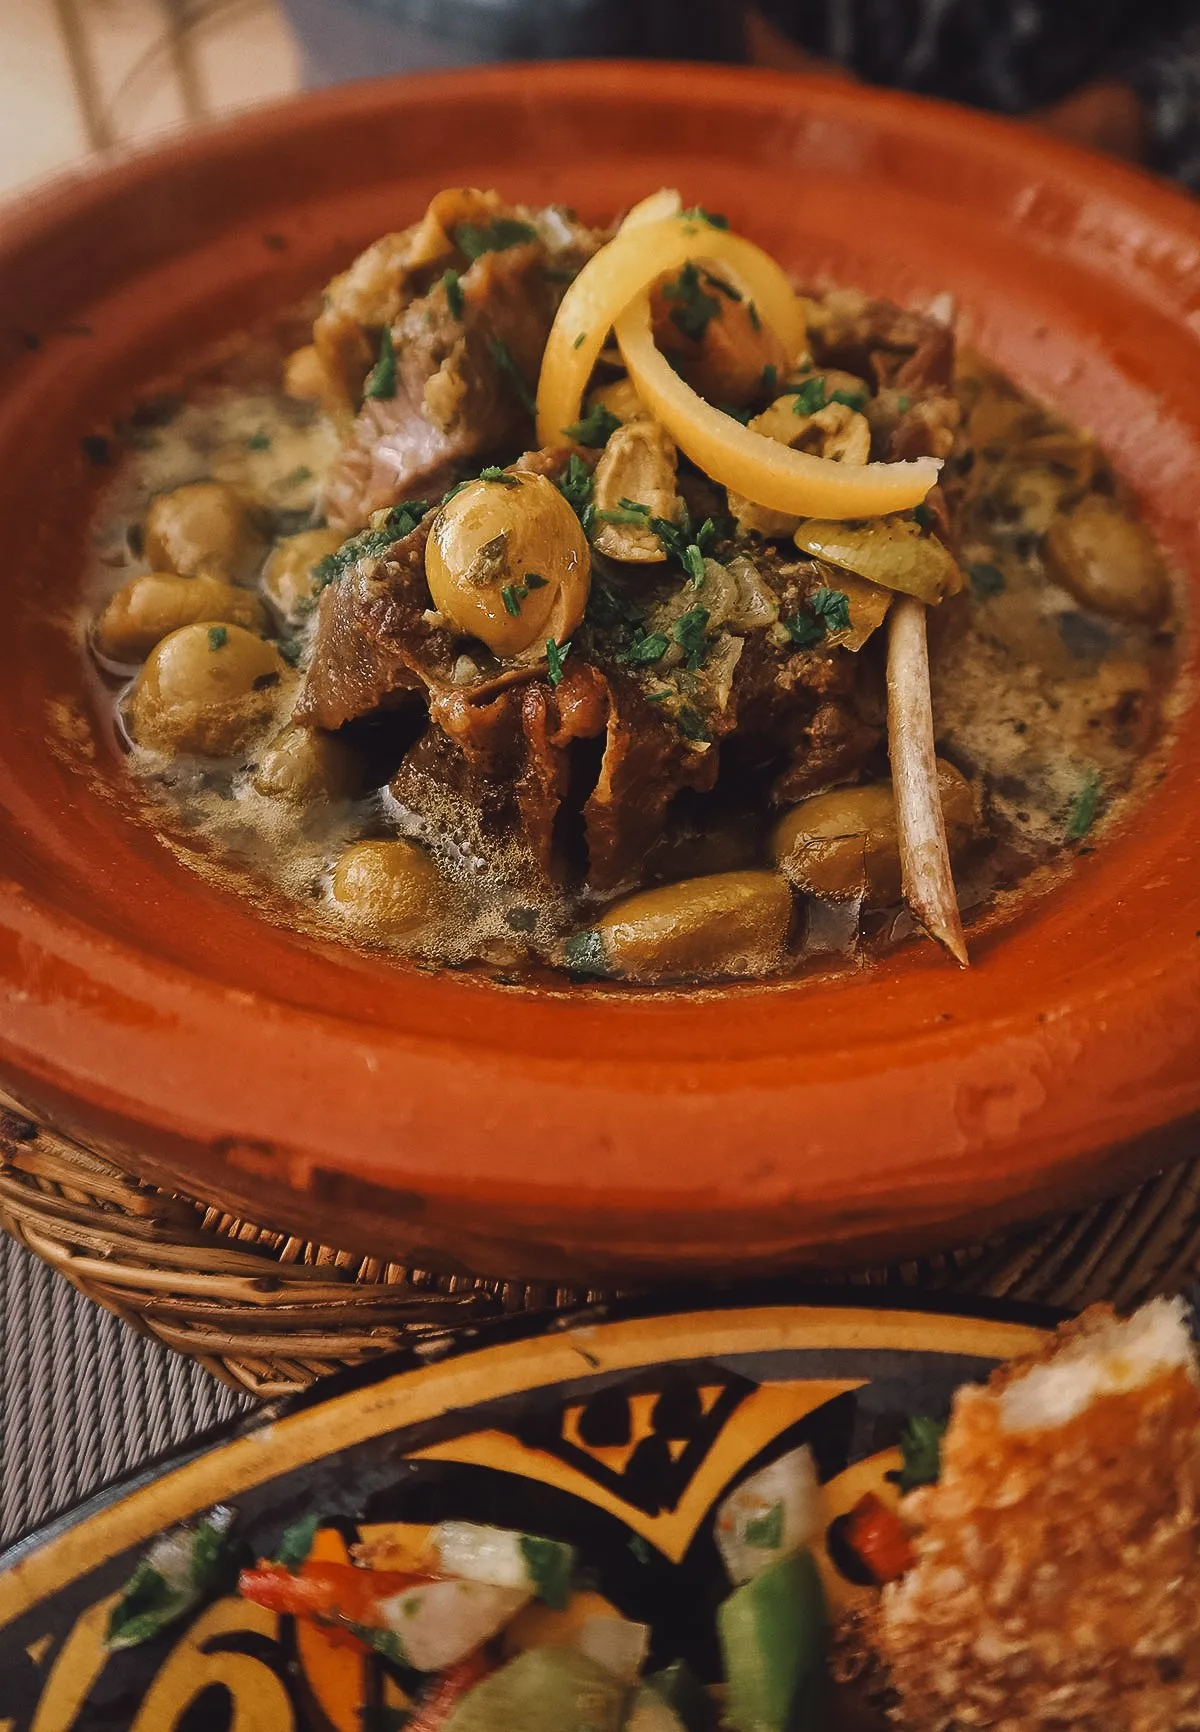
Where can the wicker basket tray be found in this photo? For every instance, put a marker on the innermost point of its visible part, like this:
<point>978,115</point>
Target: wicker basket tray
<point>268,1313</point>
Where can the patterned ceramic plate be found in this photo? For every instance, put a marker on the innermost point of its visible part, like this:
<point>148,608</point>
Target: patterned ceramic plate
<point>620,1432</point>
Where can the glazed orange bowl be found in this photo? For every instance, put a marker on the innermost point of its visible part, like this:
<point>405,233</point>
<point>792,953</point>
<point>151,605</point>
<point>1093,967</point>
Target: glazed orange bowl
<point>575,1131</point>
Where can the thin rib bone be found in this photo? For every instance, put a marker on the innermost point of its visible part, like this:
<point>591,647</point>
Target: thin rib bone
<point>924,855</point>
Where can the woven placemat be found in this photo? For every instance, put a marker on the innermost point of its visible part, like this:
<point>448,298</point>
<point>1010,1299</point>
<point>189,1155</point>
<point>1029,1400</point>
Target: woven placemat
<point>174,1315</point>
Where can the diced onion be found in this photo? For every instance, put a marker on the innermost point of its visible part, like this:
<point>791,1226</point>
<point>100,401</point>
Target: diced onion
<point>760,469</point>
<point>616,1644</point>
<point>613,277</point>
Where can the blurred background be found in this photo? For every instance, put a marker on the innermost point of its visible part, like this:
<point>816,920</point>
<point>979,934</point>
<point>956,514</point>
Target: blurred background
<point>83,76</point>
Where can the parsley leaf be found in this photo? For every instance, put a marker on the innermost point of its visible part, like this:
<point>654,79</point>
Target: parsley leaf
<point>693,310</point>
<point>295,1542</point>
<point>856,400</point>
<point>770,377</point>
<point>400,521</point>
<point>218,637</point>
<point>580,340</point>
<point>381,380</point>
<point>646,648</point>
<point>1084,808</point>
<point>475,239</point>
<point>501,477</point>
<point>576,482</point>
<point>689,632</point>
<point>986,580</point>
<point>181,1569</point>
<point>810,396</point>
<point>455,301</point>
<point>832,606</point>
<point>259,441</point>
<point>765,1530</point>
<point>721,286</point>
<point>556,655</point>
<point>804,630</point>
<point>609,607</point>
<point>755,316</point>
<point>921,1448</point>
<point>551,1564</point>
<point>502,355</point>
<point>583,954</point>
<point>595,428</point>
<point>621,514</point>
<point>693,564</point>
<point>691,724</point>
<point>510,598</point>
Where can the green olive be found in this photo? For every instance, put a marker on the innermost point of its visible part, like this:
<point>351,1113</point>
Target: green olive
<point>1108,562</point>
<point>307,764</point>
<point>207,689</point>
<point>198,530</point>
<point>844,843</point>
<point>391,889</point>
<point>730,923</point>
<point>145,609</point>
<point>507,562</point>
<point>288,581</point>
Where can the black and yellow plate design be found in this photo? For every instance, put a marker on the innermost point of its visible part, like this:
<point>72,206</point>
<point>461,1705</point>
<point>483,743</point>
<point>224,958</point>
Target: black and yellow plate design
<point>620,1431</point>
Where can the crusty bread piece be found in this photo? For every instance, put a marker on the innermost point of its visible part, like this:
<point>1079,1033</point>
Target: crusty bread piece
<point>1057,1582</point>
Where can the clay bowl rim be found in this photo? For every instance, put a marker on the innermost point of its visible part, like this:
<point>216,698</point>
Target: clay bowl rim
<point>798,1096</point>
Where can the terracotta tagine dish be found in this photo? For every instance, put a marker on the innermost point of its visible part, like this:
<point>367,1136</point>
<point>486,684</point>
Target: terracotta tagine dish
<point>559,1101</point>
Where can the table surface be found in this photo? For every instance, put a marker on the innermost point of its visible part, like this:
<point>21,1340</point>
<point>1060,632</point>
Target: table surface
<point>82,1398</point>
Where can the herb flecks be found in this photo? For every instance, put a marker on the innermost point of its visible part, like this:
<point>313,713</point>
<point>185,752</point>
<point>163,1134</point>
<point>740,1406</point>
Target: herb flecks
<point>698,214</point>
<point>218,637</point>
<point>824,611</point>
<point>296,1542</point>
<point>394,525</point>
<point>595,428</point>
<point>475,239</point>
<point>501,477</point>
<point>987,580</point>
<point>810,396</point>
<point>576,483</point>
<point>646,649</point>
<point>455,300</point>
<point>556,655</point>
<point>765,1530</point>
<point>921,1450</point>
<point>690,633</point>
<point>502,355</point>
<point>691,725</point>
<point>1084,809</point>
<point>260,441</point>
<point>381,380</point>
<point>692,310</point>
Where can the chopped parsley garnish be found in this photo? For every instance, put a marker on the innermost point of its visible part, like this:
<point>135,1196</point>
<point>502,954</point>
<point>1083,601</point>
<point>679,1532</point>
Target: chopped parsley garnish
<point>556,655</point>
<point>385,1642</point>
<point>576,483</point>
<point>691,724</point>
<point>832,606</point>
<point>259,441</point>
<point>804,631</point>
<point>765,1530</point>
<point>583,954</point>
<point>904,404</point>
<point>296,477</point>
<point>693,564</point>
<point>400,521</point>
<point>218,637</point>
<point>550,1564</point>
<point>533,580</point>
<point>181,1569</point>
<point>856,400</point>
<point>986,580</point>
<point>921,1448</point>
<point>512,603</point>
<point>693,310</point>
<point>580,340</point>
<point>381,380</point>
<point>690,633</point>
<point>296,1542</point>
<point>623,514</point>
<point>646,649</point>
<point>678,537</point>
<point>810,396</point>
<point>721,286</point>
<point>455,300</point>
<point>770,376</point>
<point>1084,807</point>
<point>595,428</point>
<point>698,214</point>
<point>609,607</point>
<point>502,355</point>
<point>659,697</point>
<point>501,477</point>
<point>755,316</point>
<point>475,239</point>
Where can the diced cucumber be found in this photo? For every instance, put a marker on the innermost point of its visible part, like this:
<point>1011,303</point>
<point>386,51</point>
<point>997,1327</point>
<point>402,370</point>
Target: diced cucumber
<point>774,1512</point>
<point>650,1713</point>
<point>436,1624</point>
<point>773,1642</point>
<point>686,1696</point>
<point>506,1559</point>
<point>544,1690</point>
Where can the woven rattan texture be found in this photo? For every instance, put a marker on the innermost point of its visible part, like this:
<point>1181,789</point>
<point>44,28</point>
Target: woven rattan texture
<point>268,1313</point>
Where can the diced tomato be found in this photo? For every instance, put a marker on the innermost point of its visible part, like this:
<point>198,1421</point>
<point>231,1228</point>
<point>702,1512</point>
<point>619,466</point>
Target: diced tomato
<point>446,1692</point>
<point>323,1590</point>
<point>877,1535</point>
